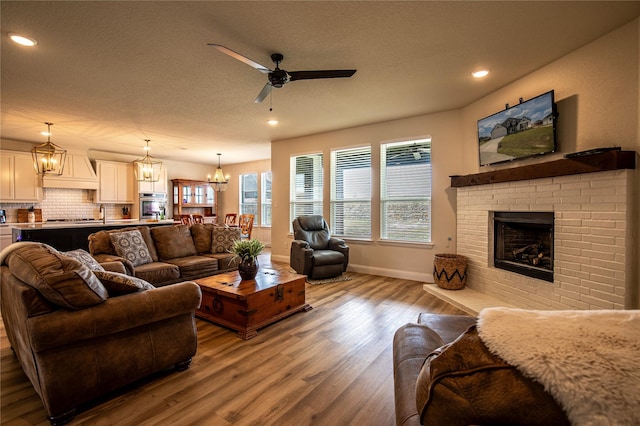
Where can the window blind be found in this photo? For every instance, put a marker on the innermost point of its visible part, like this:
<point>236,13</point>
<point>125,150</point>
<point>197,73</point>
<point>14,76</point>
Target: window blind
<point>249,194</point>
<point>351,192</point>
<point>305,185</point>
<point>265,189</point>
<point>405,191</point>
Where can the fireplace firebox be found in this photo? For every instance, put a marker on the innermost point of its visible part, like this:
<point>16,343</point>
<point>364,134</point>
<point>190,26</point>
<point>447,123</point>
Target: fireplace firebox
<point>523,243</point>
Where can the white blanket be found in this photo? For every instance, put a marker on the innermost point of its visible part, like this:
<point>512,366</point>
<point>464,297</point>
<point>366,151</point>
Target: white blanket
<point>588,360</point>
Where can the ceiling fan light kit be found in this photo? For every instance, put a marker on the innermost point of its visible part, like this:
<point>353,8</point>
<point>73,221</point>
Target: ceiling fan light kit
<point>279,77</point>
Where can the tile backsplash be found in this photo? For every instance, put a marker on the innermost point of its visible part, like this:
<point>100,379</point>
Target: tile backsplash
<point>60,203</point>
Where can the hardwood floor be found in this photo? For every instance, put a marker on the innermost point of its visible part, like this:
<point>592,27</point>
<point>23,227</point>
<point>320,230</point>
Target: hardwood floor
<point>329,366</point>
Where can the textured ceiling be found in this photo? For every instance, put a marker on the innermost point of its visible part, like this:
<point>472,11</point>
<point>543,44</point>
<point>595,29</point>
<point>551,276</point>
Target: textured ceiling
<point>111,74</point>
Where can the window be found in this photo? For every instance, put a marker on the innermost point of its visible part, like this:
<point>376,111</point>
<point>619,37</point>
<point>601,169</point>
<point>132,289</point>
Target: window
<point>306,185</point>
<point>249,194</point>
<point>351,192</point>
<point>265,196</point>
<point>405,191</point>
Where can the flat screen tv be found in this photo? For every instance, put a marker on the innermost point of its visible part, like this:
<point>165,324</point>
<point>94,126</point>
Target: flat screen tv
<point>521,131</point>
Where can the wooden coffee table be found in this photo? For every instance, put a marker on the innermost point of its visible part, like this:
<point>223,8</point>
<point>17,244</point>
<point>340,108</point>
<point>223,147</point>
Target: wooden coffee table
<point>246,306</point>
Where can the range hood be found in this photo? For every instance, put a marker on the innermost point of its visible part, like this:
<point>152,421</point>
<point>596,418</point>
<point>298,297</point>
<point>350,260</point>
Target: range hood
<point>77,174</point>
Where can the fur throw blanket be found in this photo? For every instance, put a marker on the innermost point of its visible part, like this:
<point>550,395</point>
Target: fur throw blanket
<point>589,361</point>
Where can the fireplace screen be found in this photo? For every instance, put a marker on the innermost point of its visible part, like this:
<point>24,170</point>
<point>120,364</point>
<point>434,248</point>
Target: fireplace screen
<point>523,243</point>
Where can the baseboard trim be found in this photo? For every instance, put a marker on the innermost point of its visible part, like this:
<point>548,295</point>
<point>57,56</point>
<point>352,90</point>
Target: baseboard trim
<point>371,270</point>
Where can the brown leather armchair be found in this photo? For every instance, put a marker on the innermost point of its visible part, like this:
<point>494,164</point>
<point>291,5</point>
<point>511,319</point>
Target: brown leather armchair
<point>314,252</point>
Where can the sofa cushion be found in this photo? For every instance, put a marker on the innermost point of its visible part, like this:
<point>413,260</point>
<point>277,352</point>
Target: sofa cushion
<point>195,266</point>
<point>118,284</point>
<point>463,383</point>
<point>85,258</point>
<point>61,279</point>
<point>173,242</point>
<point>223,237</point>
<point>157,272</point>
<point>225,260</point>
<point>131,246</point>
<point>201,234</point>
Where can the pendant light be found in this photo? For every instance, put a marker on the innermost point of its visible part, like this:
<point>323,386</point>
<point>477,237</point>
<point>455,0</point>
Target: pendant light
<point>219,182</point>
<point>147,168</point>
<point>48,158</point>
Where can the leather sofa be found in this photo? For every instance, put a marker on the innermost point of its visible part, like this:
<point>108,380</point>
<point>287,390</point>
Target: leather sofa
<point>444,375</point>
<point>174,253</point>
<point>79,337</point>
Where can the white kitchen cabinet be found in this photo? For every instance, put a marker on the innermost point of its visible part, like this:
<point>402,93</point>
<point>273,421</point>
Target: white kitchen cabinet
<point>115,182</point>
<point>5,236</point>
<point>154,187</point>
<point>18,179</point>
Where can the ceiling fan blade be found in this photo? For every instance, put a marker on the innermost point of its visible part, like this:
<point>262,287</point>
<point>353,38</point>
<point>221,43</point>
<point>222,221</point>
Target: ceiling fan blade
<point>309,75</point>
<point>264,93</point>
<point>240,57</point>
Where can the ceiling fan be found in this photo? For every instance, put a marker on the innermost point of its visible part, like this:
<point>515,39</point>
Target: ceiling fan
<point>279,77</point>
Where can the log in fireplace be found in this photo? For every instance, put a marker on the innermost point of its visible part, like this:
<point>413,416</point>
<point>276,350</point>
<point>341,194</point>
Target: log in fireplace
<point>523,243</point>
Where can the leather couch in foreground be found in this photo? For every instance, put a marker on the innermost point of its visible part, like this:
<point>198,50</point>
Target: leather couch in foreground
<point>165,255</point>
<point>78,337</point>
<point>445,376</point>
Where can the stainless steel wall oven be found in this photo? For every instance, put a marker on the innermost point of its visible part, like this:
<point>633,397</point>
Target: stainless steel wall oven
<point>153,205</point>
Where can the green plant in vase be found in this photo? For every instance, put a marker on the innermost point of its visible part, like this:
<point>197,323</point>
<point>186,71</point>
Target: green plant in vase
<point>247,251</point>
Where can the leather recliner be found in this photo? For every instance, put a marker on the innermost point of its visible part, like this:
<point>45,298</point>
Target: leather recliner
<point>314,252</point>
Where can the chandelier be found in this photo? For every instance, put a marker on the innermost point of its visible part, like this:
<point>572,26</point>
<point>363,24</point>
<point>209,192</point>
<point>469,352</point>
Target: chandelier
<point>147,168</point>
<point>219,182</point>
<point>48,158</point>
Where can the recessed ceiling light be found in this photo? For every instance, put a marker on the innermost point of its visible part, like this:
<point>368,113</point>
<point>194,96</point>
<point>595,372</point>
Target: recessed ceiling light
<point>272,122</point>
<point>23,40</point>
<point>480,73</point>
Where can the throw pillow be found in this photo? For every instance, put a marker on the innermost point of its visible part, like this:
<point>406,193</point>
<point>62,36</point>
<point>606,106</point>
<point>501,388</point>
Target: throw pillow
<point>131,246</point>
<point>201,234</point>
<point>464,383</point>
<point>85,258</point>
<point>118,284</point>
<point>60,279</point>
<point>223,238</point>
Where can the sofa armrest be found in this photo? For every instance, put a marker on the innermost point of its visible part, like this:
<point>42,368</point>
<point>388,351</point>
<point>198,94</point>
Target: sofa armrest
<point>116,314</point>
<point>301,256</point>
<point>114,266</point>
<point>110,258</point>
<point>338,244</point>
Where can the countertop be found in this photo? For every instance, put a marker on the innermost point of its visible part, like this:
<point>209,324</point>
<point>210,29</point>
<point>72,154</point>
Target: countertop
<point>85,223</point>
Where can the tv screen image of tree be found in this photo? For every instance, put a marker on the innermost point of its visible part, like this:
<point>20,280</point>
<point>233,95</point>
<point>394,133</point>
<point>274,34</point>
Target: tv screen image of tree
<point>521,131</point>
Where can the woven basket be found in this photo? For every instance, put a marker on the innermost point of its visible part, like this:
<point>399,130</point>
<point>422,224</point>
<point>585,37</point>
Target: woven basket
<point>450,271</point>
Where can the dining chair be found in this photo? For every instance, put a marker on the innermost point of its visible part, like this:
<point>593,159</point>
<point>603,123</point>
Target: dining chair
<point>230,219</point>
<point>197,218</point>
<point>185,219</point>
<point>246,226</point>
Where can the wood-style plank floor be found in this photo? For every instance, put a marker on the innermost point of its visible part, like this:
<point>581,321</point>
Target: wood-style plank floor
<point>329,366</point>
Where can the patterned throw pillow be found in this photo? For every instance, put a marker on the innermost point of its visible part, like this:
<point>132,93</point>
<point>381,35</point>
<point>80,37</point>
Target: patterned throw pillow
<point>131,246</point>
<point>118,284</point>
<point>223,238</point>
<point>85,258</point>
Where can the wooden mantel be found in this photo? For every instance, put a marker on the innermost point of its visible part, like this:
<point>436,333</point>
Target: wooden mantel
<point>600,162</point>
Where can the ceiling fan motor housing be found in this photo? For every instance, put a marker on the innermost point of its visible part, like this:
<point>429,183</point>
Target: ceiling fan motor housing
<point>278,77</point>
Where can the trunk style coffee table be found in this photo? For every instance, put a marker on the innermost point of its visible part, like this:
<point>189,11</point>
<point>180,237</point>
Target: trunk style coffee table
<point>246,306</point>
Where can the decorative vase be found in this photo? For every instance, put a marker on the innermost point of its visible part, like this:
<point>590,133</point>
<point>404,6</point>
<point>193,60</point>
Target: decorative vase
<point>450,271</point>
<point>248,269</point>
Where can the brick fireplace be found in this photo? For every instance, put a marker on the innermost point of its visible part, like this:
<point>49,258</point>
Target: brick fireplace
<point>593,260</point>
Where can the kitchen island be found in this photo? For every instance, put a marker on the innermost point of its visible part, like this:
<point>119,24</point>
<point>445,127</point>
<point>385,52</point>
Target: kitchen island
<point>65,236</point>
